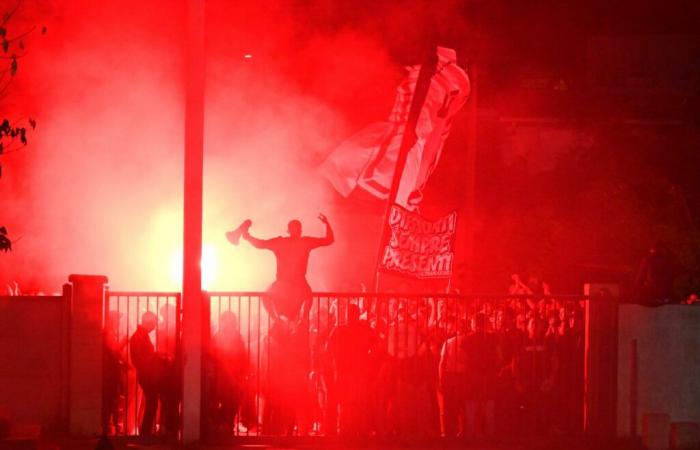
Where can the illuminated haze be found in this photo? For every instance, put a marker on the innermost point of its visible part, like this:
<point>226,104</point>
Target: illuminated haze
<point>99,188</point>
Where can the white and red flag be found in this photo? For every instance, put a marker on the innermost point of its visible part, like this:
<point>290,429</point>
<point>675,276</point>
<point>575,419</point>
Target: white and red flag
<point>368,158</point>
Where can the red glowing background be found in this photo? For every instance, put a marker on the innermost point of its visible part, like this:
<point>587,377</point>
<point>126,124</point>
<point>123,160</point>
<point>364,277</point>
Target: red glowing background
<point>99,188</point>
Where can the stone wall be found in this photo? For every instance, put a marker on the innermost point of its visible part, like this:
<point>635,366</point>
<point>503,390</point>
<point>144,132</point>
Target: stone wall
<point>33,351</point>
<point>668,364</point>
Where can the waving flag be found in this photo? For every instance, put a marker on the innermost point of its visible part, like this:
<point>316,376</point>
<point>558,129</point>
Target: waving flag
<point>367,159</point>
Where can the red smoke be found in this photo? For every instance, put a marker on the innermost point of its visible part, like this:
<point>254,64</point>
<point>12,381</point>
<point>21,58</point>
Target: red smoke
<point>99,188</point>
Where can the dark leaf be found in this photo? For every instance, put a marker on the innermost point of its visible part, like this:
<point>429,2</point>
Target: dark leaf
<point>5,45</point>
<point>3,32</point>
<point>13,66</point>
<point>44,30</point>
<point>5,243</point>
<point>3,230</point>
<point>32,123</point>
<point>23,136</point>
<point>2,148</point>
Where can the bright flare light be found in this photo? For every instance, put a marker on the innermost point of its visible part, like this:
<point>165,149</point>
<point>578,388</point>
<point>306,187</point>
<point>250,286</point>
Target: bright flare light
<point>209,265</point>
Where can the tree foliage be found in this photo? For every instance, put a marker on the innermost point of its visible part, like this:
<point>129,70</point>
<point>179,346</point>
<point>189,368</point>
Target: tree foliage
<point>595,214</point>
<point>5,243</point>
<point>13,131</point>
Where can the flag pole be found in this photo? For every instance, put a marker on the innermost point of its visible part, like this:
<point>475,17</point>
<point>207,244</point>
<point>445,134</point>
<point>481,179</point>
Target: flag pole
<point>427,70</point>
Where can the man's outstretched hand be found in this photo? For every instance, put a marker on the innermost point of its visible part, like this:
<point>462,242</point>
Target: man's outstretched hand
<point>323,218</point>
<point>242,230</point>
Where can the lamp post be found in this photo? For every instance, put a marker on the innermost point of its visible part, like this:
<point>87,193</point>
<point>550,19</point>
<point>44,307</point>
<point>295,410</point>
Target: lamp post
<point>192,308</point>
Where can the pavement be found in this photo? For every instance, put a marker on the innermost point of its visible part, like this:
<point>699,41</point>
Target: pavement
<point>545,443</point>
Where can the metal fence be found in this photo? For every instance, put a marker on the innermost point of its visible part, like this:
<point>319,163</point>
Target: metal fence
<point>395,365</point>
<point>424,365</point>
<point>123,396</point>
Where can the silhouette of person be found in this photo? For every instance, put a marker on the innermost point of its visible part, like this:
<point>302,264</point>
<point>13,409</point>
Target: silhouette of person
<point>654,281</point>
<point>230,369</point>
<point>166,348</point>
<point>290,295</point>
<point>112,365</point>
<point>155,374</point>
<point>165,333</point>
<point>145,360</point>
<point>288,302</point>
<point>349,348</point>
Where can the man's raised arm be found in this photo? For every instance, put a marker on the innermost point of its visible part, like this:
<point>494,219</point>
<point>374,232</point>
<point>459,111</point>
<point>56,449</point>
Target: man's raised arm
<point>255,242</point>
<point>329,238</point>
<point>243,232</point>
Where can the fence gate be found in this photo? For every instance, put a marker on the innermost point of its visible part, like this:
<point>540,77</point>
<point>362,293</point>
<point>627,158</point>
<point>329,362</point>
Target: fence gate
<point>124,402</point>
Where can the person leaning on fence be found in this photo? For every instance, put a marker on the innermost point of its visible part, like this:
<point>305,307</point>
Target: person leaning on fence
<point>451,382</point>
<point>230,371</point>
<point>153,372</point>
<point>145,360</point>
<point>349,347</point>
<point>482,366</point>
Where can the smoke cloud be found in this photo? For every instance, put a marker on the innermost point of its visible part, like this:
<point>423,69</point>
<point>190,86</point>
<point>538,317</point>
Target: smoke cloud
<point>99,188</point>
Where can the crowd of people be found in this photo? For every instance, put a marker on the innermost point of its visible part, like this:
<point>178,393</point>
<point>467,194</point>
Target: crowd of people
<point>395,364</point>
<point>405,365</point>
<point>360,365</point>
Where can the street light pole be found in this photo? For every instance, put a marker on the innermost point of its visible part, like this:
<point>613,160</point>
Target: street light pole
<point>192,308</point>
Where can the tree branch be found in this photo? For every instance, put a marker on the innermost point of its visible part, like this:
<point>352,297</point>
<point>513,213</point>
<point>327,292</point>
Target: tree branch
<point>20,36</point>
<point>8,15</point>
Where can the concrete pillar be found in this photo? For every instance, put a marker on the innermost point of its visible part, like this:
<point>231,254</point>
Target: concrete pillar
<point>64,372</point>
<point>684,436</point>
<point>655,431</point>
<point>600,365</point>
<point>85,360</point>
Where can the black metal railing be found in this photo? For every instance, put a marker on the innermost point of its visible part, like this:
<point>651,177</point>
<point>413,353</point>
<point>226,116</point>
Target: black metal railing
<point>395,364</point>
<point>389,364</point>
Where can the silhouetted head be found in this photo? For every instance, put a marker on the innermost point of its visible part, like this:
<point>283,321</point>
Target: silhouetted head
<point>535,328</point>
<point>228,322</point>
<point>168,312</point>
<point>149,321</point>
<point>294,228</point>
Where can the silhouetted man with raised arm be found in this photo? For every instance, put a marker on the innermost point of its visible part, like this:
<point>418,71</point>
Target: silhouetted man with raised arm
<point>290,294</point>
<point>287,302</point>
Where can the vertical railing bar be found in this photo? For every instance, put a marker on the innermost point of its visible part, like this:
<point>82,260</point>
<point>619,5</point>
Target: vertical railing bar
<point>269,352</point>
<point>256,343</point>
<point>137,392</point>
